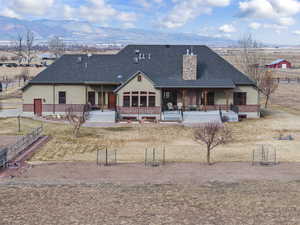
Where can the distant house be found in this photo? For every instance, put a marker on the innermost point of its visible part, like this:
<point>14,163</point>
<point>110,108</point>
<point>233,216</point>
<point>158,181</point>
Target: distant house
<point>279,64</point>
<point>143,81</point>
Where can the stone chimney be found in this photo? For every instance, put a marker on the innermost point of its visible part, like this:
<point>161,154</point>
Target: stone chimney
<point>189,67</point>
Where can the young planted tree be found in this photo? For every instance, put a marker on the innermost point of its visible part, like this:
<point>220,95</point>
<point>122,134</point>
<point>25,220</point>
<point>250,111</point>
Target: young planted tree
<point>57,46</point>
<point>268,86</point>
<point>77,119</point>
<point>212,135</point>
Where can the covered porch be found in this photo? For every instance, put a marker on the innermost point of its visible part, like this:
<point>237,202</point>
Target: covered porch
<point>197,99</point>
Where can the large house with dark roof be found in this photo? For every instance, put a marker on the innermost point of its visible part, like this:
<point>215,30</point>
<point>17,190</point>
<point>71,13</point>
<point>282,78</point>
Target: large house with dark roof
<point>143,81</point>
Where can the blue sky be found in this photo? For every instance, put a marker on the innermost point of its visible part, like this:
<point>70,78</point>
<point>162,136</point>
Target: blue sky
<point>270,21</point>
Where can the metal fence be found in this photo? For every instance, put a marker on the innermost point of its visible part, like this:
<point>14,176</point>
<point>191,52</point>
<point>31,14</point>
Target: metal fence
<point>106,157</point>
<point>264,155</point>
<point>155,156</point>
<point>287,80</point>
<point>12,151</point>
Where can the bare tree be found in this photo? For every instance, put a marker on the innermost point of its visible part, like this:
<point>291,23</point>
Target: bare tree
<point>57,46</point>
<point>77,119</point>
<point>212,135</point>
<point>5,82</point>
<point>268,86</point>
<point>251,60</point>
<point>23,76</point>
<point>29,43</point>
<point>24,47</point>
<point>19,48</point>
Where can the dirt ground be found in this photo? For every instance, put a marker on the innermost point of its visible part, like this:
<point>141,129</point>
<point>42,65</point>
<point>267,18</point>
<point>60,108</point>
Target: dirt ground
<point>170,173</point>
<point>7,139</point>
<point>245,203</point>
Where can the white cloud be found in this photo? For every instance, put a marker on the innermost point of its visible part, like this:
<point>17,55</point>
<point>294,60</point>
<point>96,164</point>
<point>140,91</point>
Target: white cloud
<point>227,28</point>
<point>10,13</point>
<point>128,25</point>
<point>255,26</point>
<point>100,12</point>
<point>28,7</point>
<point>280,11</point>
<point>148,3</point>
<point>296,32</point>
<point>186,10</point>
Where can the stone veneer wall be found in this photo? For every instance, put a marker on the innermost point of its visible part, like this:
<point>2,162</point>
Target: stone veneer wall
<point>189,67</point>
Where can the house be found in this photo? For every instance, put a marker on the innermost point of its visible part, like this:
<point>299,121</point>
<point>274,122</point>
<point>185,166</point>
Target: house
<point>279,64</point>
<point>143,81</point>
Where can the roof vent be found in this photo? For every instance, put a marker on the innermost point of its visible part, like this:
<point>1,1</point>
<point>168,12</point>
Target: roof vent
<point>120,76</point>
<point>149,56</point>
<point>136,60</point>
<point>79,59</point>
<point>137,51</point>
<point>89,55</point>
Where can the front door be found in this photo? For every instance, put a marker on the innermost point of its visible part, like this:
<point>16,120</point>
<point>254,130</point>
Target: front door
<point>112,100</point>
<point>38,107</point>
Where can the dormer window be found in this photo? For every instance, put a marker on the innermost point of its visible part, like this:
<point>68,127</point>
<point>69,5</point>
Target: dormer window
<point>139,78</point>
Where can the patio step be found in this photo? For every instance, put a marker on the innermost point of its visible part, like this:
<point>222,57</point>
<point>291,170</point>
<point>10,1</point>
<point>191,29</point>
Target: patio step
<point>102,117</point>
<point>172,116</point>
<point>202,117</point>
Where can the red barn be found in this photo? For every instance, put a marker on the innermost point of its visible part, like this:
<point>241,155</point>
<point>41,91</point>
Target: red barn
<point>279,64</point>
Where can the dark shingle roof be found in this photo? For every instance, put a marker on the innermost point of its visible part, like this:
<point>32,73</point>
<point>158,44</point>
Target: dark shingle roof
<point>161,63</point>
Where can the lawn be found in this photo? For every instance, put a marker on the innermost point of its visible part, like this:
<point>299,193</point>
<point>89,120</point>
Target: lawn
<point>131,140</point>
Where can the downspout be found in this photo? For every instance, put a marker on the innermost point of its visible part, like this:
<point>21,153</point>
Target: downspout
<point>53,98</point>
<point>102,98</point>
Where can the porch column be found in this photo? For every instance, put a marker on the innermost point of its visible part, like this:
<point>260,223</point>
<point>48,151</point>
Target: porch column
<point>184,98</point>
<point>205,99</point>
<point>227,94</point>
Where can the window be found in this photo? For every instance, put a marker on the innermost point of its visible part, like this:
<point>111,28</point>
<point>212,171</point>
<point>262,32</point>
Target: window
<point>239,98</point>
<point>139,78</point>
<point>62,97</point>
<point>126,101</point>
<point>210,98</point>
<point>135,101</point>
<point>143,101</point>
<point>91,97</point>
<point>152,101</point>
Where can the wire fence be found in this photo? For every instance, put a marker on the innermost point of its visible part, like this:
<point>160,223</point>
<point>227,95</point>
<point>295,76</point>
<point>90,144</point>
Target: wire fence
<point>106,157</point>
<point>264,155</point>
<point>155,156</point>
<point>10,152</point>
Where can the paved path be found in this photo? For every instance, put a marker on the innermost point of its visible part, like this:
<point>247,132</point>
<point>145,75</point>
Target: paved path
<point>10,113</point>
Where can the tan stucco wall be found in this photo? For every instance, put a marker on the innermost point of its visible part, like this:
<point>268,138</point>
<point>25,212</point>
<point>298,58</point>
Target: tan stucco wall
<point>134,85</point>
<point>75,94</point>
<point>38,91</point>
<point>252,95</point>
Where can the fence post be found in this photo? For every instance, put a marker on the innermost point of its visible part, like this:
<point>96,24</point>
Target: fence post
<point>146,153</point>
<point>19,124</point>
<point>97,157</point>
<point>153,158</point>
<point>164,155</point>
<point>106,157</point>
<point>115,156</point>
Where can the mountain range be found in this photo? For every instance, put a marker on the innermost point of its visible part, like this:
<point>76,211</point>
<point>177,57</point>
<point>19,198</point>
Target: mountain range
<point>81,32</point>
